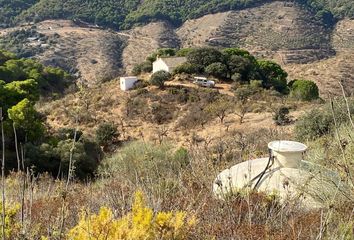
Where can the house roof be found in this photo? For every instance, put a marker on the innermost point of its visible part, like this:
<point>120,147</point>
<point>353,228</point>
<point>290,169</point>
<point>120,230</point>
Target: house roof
<point>173,61</point>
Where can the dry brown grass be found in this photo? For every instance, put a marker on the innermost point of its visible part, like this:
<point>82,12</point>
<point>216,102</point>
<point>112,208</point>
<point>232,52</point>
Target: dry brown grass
<point>243,216</point>
<point>107,103</point>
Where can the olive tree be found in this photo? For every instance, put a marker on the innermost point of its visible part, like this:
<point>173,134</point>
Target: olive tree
<point>220,108</point>
<point>159,78</point>
<point>243,101</point>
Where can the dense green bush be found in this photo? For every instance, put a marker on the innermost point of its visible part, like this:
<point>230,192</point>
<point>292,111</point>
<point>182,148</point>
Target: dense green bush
<point>144,67</point>
<point>314,124</point>
<point>162,52</point>
<point>106,134</point>
<point>273,75</point>
<point>320,121</point>
<point>85,157</point>
<point>217,69</point>
<point>159,78</point>
<point>205,56</point>
<point>54,158</point>
<point>304,90</point>
<point>188,68</point>
<point>136,69</point>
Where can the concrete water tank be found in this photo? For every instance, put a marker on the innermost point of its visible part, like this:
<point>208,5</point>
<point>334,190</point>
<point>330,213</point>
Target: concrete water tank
<point>285,174</point>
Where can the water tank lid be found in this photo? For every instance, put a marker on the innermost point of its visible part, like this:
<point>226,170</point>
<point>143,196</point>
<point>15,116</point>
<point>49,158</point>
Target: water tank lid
<point>287,146</point>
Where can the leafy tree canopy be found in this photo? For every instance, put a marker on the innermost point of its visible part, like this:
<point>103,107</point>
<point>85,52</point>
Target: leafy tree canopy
<point>304,90</point>
<point>159,78</point>
<point>26,119</point>
<point>273,75</point>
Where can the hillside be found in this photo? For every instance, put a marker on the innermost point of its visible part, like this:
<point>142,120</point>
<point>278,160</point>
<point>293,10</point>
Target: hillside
<point>275,27</point>
<point>285,32</point>
<point>88,160</point>
<point>92,55</point>
<point>127,13</point>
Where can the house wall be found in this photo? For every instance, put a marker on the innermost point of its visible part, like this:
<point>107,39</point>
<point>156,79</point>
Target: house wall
<point>159,65</point>
<point>127,83</point>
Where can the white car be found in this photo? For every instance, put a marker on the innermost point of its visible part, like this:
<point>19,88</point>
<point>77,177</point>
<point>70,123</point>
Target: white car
<point>204,82</point>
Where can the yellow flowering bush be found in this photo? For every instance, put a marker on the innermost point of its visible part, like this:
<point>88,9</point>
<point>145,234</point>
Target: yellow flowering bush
<point>140,223</point>
<point>11,225</point>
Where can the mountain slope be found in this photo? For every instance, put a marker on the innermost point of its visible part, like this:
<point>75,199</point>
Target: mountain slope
<point>283,31</point>
<point>279,26</point>
<point>127,13</point>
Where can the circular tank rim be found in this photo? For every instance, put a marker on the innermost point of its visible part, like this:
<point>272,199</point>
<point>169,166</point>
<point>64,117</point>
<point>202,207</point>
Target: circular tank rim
<point>287,146</point>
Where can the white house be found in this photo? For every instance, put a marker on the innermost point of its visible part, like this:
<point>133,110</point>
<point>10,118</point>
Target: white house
<point>127,83</point>
<point>167,64</point>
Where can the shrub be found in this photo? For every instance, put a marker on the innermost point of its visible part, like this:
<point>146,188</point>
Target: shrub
<point>11,225</point>
<point>195,117</point>
<point>85,158</point>
<point>68,133</point>
<point>140,223</point>
<point>146,67</point>
<point>281,116</point>
<point>243,95</point>
<point>220,108</point>
<point>152,164</point>
<point>136,69</point>
<point>218,70</point>
<point>182,157</point>
<point>183,52</point>
<point>314,124</point>
<point>141,84</point>
<point>188,68</point>
<point>161,113</point>
<point>319,121</point>
<point>106,134</point>
<point>304,90</point>
<point>256,84</point>
<point>42,158</point>
<point>159,78</point>
<point>204,56</point>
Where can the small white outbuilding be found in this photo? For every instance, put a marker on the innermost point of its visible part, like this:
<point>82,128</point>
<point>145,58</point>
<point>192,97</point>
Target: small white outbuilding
<point>127,83</point>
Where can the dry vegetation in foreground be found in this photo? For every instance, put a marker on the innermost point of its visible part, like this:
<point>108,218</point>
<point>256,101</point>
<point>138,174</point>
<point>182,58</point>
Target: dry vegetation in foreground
<point>173,181</point>
<point>172,164</point>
